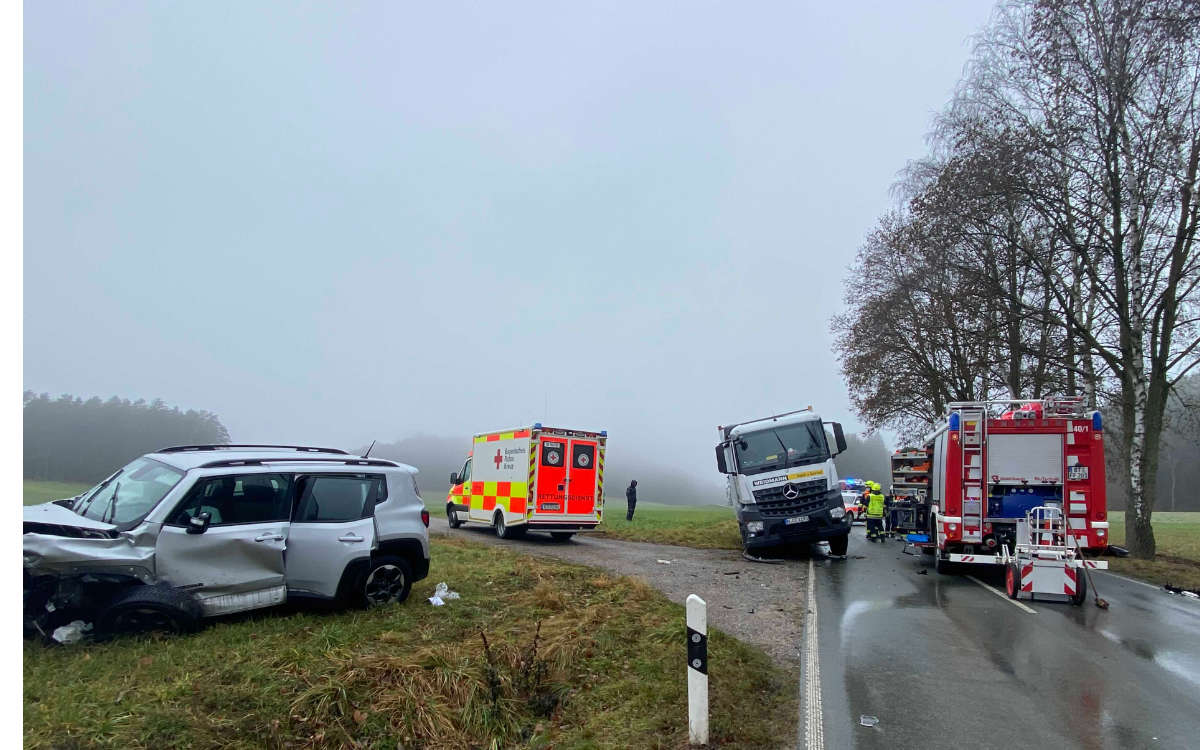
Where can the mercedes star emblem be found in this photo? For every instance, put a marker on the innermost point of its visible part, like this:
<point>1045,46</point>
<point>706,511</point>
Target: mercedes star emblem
<point>791,491</point>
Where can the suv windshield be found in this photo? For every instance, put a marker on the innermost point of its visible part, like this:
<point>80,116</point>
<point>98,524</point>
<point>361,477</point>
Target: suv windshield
<point>780,447</point>
<point>129,494</point>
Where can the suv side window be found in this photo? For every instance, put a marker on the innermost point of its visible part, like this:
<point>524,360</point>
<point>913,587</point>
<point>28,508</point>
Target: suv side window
<point>237,499</point>
<point>339,497</point>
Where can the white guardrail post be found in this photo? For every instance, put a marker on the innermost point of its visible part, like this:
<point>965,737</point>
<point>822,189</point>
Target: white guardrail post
<point>697,670</point>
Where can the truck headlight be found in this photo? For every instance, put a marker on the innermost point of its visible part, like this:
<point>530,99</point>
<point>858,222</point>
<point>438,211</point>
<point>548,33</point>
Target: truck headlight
<point>754,526</point>
<point>836,513</point>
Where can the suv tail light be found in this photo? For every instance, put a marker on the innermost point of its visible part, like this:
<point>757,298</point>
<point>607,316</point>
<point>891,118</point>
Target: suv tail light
<point>425,517</point>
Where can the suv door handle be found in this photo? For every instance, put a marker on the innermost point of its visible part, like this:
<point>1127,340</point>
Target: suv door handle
<point>350,537</point>
<point>270,536</point>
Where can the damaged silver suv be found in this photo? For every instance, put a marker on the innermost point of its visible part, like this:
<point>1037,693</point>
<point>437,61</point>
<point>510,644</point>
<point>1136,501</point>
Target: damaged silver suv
<point>202,530</point>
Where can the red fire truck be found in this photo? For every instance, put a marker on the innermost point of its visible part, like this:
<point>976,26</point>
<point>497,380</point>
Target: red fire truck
<point>995,461</point>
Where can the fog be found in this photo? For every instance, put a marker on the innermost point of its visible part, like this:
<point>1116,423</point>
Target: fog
<point>335,225</point>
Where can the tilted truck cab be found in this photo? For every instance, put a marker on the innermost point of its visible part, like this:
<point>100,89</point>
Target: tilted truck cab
<point>782,483</point>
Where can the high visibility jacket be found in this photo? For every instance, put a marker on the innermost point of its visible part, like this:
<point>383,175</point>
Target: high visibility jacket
<point>875,505</point>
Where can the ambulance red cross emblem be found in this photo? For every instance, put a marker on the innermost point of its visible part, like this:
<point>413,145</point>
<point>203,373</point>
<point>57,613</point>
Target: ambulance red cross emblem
<point>497,459</point>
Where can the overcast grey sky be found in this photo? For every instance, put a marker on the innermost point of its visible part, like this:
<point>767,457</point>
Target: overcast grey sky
<point>335,223</point>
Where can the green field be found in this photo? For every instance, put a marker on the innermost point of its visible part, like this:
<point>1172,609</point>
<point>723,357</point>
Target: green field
<point>704,526</point>
<point>43,492</point>
<point>1177,536</point>
<point>607,672</point>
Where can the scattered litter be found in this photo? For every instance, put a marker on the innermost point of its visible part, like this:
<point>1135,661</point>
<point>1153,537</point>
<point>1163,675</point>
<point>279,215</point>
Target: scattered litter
<point>752,558</point>
<point>1180,591</point>
<point>1116,551</point>
<point>923,572</point>
<point>868,721</point>
<point>665,562</point>
<point>72,632</point>
<point>860,557</point>
<point>441,593</point>
<point>732,572</point>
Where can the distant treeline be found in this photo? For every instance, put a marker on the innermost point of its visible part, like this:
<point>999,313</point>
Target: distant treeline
<point>71,440</point>
<point>865,458</point>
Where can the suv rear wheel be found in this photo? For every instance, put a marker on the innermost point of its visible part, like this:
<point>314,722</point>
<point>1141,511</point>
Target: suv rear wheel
<point>143,609</point>
<point>388,581</point>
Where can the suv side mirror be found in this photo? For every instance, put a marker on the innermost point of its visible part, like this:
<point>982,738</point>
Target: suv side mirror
<point>198,523</point>
<point>454,478</point>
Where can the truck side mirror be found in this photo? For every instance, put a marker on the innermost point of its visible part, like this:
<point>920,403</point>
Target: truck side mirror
<point>721,464</point>
<point>454,478</point>
<point>839,437</point>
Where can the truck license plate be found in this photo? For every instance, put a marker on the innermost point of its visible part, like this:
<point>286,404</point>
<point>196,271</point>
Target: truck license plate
<point>795,519</point>
<point>548,506</point>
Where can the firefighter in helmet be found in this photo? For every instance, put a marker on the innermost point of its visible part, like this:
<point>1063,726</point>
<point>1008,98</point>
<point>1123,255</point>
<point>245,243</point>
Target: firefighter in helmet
<point>874,512</point>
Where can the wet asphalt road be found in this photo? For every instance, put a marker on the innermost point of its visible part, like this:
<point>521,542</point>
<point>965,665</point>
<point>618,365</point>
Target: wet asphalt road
<point>945,663</point>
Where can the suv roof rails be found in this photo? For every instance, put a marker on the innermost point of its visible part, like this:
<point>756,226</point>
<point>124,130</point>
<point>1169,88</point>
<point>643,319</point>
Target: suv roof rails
<point>306,459</point>
<point>227,446</point>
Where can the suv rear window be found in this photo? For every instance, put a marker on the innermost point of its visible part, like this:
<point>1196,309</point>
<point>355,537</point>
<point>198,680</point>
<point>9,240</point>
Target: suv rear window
<point>238,499</point>
<point>340,497</point>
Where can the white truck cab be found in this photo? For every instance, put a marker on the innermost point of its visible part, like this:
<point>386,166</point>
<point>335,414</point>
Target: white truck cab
<point>782,483</point>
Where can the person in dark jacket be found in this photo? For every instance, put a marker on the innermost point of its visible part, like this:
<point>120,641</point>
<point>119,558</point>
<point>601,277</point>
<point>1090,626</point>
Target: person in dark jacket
<point>630,499</point>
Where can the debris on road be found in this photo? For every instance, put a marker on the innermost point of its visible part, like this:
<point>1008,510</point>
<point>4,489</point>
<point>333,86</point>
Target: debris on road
<point>868,721</point>
<point>441,593</point>
<point>664,562</point>
<point>1179,591</point>
<point>72,632</point>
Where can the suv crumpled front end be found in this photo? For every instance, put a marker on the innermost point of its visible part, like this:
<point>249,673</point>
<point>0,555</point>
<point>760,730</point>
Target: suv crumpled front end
<point>71,562</point>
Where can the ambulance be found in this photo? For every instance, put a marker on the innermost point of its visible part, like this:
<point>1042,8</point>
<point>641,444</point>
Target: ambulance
<point>540,478</point>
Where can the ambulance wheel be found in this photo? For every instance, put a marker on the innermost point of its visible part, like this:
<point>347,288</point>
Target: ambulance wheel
<point>452,517</point>
<point>562,536</point>
<point>838,544</point>
<point>1012,581</point>
<point>1080,588</point>
<point>504,531</point>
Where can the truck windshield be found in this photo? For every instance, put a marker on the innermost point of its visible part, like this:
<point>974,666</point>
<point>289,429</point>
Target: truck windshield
<point>780,447</point>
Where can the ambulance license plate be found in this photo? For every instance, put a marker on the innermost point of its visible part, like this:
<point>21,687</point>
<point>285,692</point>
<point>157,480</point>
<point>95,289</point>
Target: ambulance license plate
<point>795,519</point>
<point>548,506</point>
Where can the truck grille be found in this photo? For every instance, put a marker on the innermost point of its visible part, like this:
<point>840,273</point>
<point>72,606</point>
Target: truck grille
<point>772,504</point>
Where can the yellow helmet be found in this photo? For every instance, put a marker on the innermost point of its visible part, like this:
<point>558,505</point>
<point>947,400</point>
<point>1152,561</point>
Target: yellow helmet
<point>874,486</point>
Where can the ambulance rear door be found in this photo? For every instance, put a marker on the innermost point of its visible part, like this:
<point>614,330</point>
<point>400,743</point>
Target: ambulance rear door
<point>581,478</point>
<point>551,484</point>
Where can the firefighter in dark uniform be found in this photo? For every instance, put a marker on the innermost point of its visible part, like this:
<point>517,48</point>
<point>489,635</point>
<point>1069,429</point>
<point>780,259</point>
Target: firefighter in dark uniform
<point>874,513</point>
<point>630,499</point>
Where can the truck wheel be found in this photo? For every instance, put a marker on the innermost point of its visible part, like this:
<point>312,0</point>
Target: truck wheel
<point>1012,581</point>
<point>1080,588</point>
<point>562,536</point>
<point>143,609</point>
<point>388,581</point>
<point>452,517</point>
<point>838,544</point>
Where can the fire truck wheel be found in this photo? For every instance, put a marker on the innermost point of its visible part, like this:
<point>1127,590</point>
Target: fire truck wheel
<point>1080,588</point>
<point>1012,581</point>
<point>838,544</point>
<point>942,565</point>
<point>452,517</point>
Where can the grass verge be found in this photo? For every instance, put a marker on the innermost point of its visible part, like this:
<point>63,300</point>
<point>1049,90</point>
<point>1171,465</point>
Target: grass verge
<point>36,491</point>
<point>1177,536</point>
<point>704,526</point>
<point>605,671</point>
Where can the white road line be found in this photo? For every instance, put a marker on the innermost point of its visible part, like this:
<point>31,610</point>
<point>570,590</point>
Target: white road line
<point>1003,596</point>
<point>1126,578</point>
<point>814,733</point>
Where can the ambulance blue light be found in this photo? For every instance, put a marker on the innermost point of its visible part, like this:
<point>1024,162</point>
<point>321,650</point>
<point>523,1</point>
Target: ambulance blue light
<point>603,433</point>
<point>537,425</point>
<point>954,421</point>
<point>1097,422</point>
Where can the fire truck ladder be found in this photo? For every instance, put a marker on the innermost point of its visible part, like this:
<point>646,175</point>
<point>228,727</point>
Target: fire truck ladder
<point>973,430</point>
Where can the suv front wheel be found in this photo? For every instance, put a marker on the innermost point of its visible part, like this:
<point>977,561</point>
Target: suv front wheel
<point>388,581</point>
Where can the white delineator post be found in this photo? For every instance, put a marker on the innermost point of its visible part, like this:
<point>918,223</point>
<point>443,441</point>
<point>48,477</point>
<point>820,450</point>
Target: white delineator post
<point>697,670</point>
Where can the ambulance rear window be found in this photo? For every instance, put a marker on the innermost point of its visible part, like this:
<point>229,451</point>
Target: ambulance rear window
<point>552,453</point>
